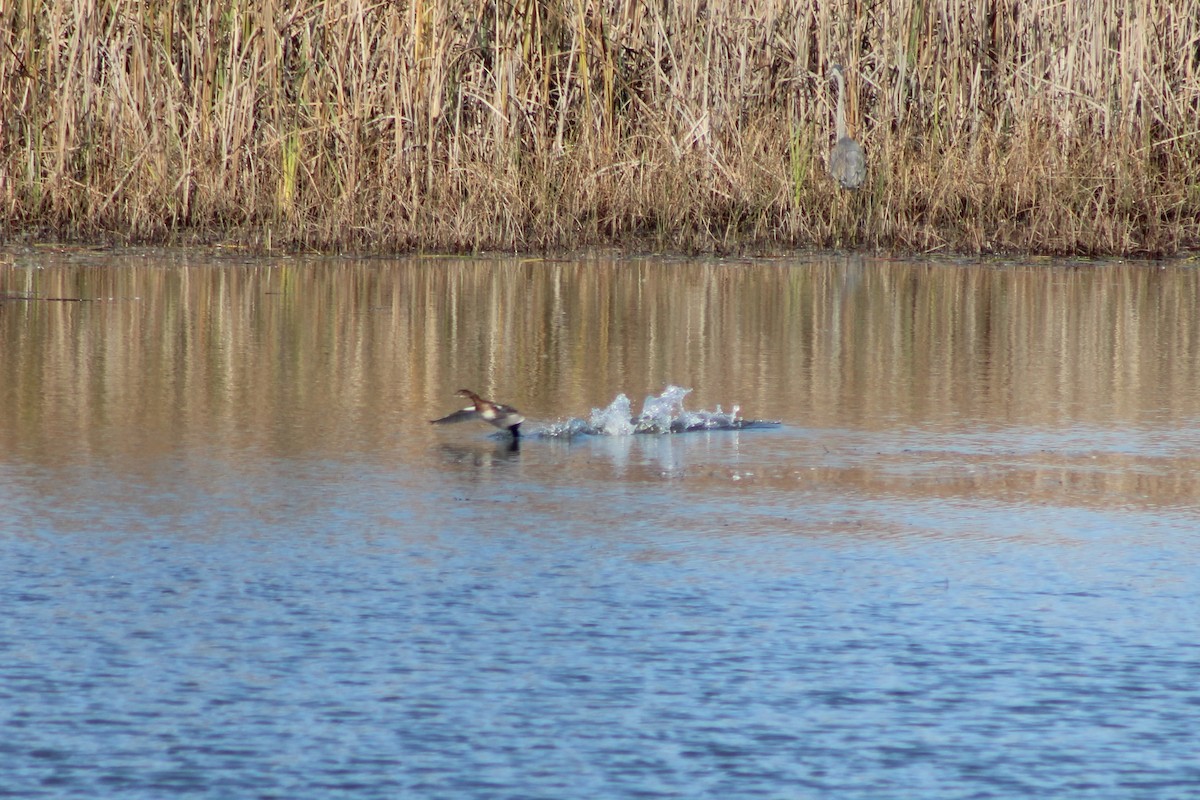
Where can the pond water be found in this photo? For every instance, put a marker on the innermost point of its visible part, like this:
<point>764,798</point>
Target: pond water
<point>238,562</point>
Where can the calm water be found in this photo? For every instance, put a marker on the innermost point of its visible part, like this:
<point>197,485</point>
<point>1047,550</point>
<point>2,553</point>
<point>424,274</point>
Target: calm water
<point>238,562</point>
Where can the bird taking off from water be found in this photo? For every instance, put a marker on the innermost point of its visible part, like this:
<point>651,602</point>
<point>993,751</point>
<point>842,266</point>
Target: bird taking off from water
<point>847,164</point>
<point>506,418</point>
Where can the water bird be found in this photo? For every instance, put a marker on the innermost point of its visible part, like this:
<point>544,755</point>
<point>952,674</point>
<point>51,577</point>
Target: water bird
<point>503,417</point>
<point>847,163</point>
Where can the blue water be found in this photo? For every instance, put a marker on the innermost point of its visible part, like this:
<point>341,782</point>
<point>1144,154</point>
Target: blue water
<point>675,616</point>
<point>237,562</point>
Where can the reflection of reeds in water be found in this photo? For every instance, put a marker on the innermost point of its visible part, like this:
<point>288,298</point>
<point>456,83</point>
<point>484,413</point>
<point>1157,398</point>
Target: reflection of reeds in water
<point>867,344</point>
<point>297,356</point>
<point>444,124</point>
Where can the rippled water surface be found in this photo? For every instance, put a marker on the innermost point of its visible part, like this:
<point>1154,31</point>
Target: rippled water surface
<point>238,562</point>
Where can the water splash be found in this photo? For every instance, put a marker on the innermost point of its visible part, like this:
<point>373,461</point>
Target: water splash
<point>660,414</point>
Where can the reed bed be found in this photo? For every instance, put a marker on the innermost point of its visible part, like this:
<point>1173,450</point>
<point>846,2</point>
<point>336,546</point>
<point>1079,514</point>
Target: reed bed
<point>698,125</point>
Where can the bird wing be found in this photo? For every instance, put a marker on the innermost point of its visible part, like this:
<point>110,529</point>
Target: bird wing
<point>462,415</point>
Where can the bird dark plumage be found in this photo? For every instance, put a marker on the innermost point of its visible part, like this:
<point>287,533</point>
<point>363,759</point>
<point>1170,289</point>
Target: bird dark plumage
<point>501,416</point>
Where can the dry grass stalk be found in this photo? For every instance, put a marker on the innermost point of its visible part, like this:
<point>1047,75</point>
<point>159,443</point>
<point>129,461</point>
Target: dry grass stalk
<point>515,124</point>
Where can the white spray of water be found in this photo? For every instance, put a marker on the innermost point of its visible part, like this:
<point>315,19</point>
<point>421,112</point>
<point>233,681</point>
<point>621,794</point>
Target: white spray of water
<point>660,414</point>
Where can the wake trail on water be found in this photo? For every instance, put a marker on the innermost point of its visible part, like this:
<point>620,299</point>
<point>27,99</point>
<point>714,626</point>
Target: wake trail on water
<point>660,415</point>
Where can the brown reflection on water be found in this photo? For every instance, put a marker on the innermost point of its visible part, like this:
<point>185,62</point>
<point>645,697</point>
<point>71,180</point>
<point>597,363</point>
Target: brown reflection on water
<point>142,353</point>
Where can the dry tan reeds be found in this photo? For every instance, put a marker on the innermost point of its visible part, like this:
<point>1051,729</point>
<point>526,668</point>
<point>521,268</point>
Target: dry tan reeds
<point>990,125</point>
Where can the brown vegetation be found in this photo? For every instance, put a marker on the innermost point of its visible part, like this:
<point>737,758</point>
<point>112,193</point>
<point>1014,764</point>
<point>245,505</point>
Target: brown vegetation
<point>989,125</point>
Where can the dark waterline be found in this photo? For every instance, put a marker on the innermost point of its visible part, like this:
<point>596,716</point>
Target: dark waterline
<point>239,562</point>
